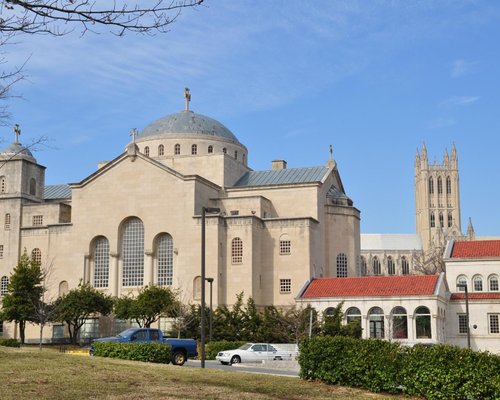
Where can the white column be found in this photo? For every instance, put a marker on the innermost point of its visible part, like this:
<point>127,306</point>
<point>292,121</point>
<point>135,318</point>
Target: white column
<point>86,268</point>
<point>114,275</point>
<point>149,277</point>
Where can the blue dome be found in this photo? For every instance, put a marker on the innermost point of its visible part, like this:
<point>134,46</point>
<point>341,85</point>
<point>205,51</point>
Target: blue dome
<point>16,149</point>
<point>189,123</point>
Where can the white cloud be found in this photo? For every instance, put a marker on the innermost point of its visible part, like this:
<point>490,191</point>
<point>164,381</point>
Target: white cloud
<point>442,122</point>
<point>459,101</point>
<point>460,68</point>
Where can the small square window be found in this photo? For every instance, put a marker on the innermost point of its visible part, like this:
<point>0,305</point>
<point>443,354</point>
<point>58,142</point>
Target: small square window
<point>1,250</point>
<point>285,286</point>
<point>37,220</point>
<point>285,247</point>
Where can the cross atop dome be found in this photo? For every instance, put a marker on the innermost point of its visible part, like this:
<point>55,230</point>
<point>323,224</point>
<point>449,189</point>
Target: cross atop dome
<point>187,96</point>
<point>17,132</point>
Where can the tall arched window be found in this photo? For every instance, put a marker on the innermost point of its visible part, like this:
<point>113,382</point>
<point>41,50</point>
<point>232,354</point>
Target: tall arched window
<point>36,256</point>
<point>237,251</point>
<point>405,268</point>
<point>3,185</point>
<point>210,149</point>
<point>341,266</point>
<point>165,259</point>
<point>194,149</point>
<point>63,288</point>
<point>493,283</point>
<point>448,185</point>
<point>7,222</point>
<point>478,284</point>
<point>177,149</point>
<point>235,154</point>
<point>161,150</point>
<point>441,220</point>
<point>450,220</point>
<point>461,280</point>
<point>133,252</point>
<point>431,185</point>
<point>363,266</point>
<point>353,313</point>
<point>433,220</point>
<point>4,284</point>
<point>376,319</point>
<point>423,323</point>
<point>376,266</point>
<point>399,323</point>
<point>101,262</point>
<point>391,269</point>
<point>440,185</point>
<point>146,151</point>
<point>33,186</point>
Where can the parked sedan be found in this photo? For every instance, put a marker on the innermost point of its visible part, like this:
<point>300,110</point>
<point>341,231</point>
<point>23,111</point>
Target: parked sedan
<point>252,352</point>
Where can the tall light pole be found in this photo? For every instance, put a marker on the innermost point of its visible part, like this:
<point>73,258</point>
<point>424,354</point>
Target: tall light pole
<point>210,281</point>
<point>204,210</point>
<point>464,286</point>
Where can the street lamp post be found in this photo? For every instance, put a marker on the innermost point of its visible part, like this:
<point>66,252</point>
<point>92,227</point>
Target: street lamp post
<point>210,281</point>
<point>464,286</point>
<point>204,210</point>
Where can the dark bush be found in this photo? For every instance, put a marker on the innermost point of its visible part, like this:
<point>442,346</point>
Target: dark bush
<point>149,352</point>
<point>434,372</point>
<point>212,348</point>
<point>9,343</point>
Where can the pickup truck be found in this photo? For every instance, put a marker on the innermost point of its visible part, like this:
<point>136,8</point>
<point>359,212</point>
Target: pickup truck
<point>181,348</point>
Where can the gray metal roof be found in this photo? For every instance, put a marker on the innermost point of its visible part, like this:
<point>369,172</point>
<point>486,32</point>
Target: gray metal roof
<point>390,241</point>
<point>17,149</point>
<point>187,122</point>
<point>282,176</point>
<point>52,192</point>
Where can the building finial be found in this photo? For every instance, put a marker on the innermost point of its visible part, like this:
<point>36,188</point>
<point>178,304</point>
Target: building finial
<point>187,96</point>
<point>134,133</point>
<point>331,153</point>
<point>17,132</point>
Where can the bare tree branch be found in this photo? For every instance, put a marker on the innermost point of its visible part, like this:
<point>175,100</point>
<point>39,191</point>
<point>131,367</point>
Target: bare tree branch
<point>429,262</point>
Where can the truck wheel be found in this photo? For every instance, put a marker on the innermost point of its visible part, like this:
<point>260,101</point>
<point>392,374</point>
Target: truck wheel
<point>178,358</point>
<point>235,359</point>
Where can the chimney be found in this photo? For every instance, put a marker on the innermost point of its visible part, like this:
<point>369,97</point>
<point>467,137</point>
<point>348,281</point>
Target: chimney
<point>279,164</point>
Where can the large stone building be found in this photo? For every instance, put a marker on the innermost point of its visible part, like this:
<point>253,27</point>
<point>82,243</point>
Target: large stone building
<point>135,221</point>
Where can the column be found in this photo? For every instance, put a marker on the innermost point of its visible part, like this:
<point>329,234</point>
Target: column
<point>86,268</point>
<point>114,275</point>
<point>148,267</point>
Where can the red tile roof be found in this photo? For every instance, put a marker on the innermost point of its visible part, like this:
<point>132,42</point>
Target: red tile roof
<point>476,249</point>
<point>409,285</point>
<point>475,296</point>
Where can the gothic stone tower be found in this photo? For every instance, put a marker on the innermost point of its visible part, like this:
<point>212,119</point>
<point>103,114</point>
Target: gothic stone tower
<point>437,199</point>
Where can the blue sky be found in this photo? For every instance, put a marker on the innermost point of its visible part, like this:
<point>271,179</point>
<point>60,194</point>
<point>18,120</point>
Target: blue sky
<point>374,79</point>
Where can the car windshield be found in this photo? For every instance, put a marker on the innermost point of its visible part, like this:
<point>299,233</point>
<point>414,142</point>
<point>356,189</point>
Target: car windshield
<point>245,346</point>
<point>127,333</point>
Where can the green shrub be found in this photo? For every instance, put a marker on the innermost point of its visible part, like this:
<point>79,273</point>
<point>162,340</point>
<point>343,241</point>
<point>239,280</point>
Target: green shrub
<point>149,352</point>
<point>9,343</point>
<point>212,348</point>
<point>434,372</point>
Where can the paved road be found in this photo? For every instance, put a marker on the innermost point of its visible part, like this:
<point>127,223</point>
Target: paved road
<point>252,368</point>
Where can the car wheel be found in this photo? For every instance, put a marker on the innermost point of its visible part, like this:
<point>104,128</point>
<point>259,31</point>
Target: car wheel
<point>178,358</point>
<point>235,359</point>
<point>224,362</point>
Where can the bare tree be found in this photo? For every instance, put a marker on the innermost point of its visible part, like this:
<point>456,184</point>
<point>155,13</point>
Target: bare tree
<point>429,262</point>
<point>181,313</point>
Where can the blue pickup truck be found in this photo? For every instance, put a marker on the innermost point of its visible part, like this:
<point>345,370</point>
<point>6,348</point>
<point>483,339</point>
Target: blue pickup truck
<point>182,349</point>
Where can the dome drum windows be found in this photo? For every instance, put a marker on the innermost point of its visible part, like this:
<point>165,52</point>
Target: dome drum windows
<point>177,149</point>
<point>146,151</point>
<point>194,149</point>
<point>210,149</point>
<point>161,150</point>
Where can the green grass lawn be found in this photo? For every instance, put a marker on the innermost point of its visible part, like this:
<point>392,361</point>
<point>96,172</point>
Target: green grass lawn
<point>27,373</point>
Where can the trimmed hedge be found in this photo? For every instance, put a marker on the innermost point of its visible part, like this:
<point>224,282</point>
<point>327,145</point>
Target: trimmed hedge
<point>212,348</point>
<point>150,352</point>
<point>435,372</point>
<point>10,343</point>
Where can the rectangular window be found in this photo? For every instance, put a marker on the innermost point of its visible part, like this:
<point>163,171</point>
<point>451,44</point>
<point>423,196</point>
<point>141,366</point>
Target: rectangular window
<point>58,332</point>
<point>7,222</point>
<point>285,285</point>
<point>234,212</point>
<point>462,323</point>
<point>37,220</point>
<point>1,250</point>
<point>285,247</point>
<point>494,323</point>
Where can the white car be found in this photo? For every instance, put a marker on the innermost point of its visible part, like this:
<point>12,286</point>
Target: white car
<point>252,352</point>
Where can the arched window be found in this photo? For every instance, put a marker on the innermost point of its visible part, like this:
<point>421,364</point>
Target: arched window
<point>423,323</point>
<point>194,149</point>
<point>210,149</point>
<point>353,313</point>
<point>177,149</point>
<point>405,268</point>
<point>101,262</point>
<point>448,185</point>
<point>133,252</point>
<point>376,266</point>
<point>461,280</point>
<point>36,256</point>
<point>493,283</point>
<point>285,245</point>
<point>235,154</point>
<point>165,259</point>
<point>197,288</point>
<point>4,284</point>
<point>3,186</point>
<point>146,151</point>
<point>441,220</point>
<point>440,185</point>
<point>431,185</point>
<point>478,284</point>
<point>237,251</point>
<point>433,220</point>
<point>399,323</point>
<point>376,320</point>
<point>391,269</point>
<point>33,186</point>
<point>161,150</point>
<point>63,288</point>
<point>363,266</point>
<point>7,222</point>
<point>450,220</point>
<point>341,266</point>
<point>224,150</point>
<point>329,312</point>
